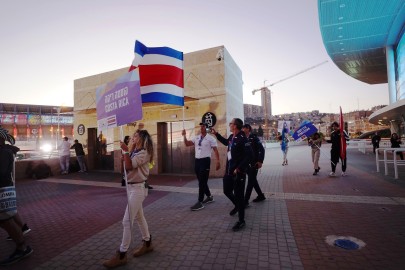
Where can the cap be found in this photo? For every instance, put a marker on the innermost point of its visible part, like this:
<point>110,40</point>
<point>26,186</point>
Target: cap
<point>203,124</point>
<point>247,126</point>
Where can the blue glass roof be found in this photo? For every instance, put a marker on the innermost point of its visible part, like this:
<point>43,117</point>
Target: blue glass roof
<point>356,32</point>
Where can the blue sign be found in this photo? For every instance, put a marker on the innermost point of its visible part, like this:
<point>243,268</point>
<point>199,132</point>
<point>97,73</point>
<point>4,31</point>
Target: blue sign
<point>304,131</point>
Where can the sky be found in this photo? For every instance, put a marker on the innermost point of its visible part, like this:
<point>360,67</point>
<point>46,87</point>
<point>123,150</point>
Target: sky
<point>47,44</point>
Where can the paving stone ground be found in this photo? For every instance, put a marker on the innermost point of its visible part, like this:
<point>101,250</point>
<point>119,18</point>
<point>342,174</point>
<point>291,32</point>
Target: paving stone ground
<point>76,219</point>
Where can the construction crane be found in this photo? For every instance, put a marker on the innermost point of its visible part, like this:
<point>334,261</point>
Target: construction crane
<point>279,81</point>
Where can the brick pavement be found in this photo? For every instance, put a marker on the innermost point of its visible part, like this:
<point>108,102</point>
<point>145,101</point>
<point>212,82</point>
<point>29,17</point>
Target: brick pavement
<point>76,226</point>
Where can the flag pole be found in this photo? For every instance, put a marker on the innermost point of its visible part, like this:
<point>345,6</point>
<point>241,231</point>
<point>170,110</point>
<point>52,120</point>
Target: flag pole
<point>183,116</point>
<point>126,182</point>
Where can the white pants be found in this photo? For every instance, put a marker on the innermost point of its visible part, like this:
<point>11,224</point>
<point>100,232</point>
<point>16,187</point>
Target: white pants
<point>64,163</point>
<point>315,157</point>
<point>137,194</point>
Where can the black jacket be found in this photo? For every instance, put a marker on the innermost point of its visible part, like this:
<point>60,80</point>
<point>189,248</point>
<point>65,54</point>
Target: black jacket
<point>78,149</point>
<point>241,152</point>
<point>257,148</point>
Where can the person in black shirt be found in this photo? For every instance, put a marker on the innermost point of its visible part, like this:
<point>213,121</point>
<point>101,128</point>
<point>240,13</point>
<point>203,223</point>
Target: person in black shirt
<point>335,150</point>
<point>79,155</point>
<point>376,141</point>
<point>396,143</point>
<point>255,165</point>
<point>239,156</point>
<point>7,220</point>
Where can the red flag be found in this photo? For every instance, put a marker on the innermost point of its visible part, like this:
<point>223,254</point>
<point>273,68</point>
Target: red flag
<point>342,136</point>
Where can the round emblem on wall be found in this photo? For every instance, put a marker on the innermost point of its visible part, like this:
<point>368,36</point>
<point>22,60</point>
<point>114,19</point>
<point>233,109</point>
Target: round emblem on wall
<point>209,119</point>
<point>81,129</point>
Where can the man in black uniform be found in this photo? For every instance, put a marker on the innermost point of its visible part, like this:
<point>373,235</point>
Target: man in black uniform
<point>255,165</point>
<point>239,156</point>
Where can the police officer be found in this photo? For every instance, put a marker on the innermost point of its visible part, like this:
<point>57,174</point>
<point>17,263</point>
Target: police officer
<point>255,165</point>
<point>239,156</point>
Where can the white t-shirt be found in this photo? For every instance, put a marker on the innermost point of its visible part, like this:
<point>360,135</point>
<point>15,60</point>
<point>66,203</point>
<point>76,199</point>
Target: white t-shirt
<point>64,148</point>
<point>203,145</point>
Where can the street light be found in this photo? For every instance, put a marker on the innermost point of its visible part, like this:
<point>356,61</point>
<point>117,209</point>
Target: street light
<point>58,109</point>
<point>264,107</point>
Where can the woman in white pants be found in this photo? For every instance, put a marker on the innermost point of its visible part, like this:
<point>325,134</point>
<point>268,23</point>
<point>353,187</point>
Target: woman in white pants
<point>137,161</point>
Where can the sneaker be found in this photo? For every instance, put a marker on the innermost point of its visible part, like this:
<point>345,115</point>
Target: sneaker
<point>344,174</point>
<point>238,226</point>
<point>25,229</point>
<point>209,199</point>
<point>259,198</point>
<point>81,171</point>
<point>332,174</point>
<point>315,172</point>
<point>17,256</point>
<point>197,206</point>
<point>233,211</point>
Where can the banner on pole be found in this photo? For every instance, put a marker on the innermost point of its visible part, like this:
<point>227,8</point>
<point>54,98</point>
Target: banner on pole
<point>304,132</point>
<point>119,102</point>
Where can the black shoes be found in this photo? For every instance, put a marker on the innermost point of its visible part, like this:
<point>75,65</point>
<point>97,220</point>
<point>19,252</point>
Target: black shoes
<point>17,256</point>
<point>209,199</point>
<point>197,206</point>
<point>233,211</point>
<point>238,226</point>
<point>259,198</point>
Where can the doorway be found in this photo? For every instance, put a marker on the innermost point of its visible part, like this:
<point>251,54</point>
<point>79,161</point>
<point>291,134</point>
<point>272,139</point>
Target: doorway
<point>99,156</point>
<point>174,156</point>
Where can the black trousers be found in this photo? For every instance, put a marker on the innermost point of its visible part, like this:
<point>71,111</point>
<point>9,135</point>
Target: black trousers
<point>252,183</point>
<point>234,189</point>
<point>334,157</point>
<point>202,171</point>
<point>375,146</point>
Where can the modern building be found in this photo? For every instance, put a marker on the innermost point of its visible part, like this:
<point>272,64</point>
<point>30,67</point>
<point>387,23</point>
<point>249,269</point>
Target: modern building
<point>36,122</point>
<point>211,84</point>
<point>365,39</point>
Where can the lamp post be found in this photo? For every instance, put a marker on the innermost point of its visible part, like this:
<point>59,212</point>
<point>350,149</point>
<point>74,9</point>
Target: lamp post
<point>58,109</point>
<point>264,104</point>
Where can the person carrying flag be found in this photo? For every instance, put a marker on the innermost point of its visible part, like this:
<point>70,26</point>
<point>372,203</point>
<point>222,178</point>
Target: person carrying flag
<point>336,151</point>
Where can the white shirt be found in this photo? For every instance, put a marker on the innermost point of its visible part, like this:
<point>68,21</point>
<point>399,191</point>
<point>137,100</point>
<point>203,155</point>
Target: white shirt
<point>207,143</point>
<point>64,148</point>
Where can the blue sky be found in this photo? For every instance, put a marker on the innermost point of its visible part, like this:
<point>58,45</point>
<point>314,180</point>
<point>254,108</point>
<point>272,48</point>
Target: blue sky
<point>47,44</point>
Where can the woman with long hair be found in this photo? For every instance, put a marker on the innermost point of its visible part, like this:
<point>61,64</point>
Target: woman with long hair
<point>137,163</point>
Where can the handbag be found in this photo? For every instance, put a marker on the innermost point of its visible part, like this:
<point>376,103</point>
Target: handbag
<point>8,202</point>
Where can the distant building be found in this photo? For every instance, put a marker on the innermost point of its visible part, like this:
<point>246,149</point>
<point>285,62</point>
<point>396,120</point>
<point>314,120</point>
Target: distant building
<point>36,122</point>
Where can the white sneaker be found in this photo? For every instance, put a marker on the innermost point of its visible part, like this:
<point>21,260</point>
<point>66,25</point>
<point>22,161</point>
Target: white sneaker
<point>332,174</point>
<point>344,174</point>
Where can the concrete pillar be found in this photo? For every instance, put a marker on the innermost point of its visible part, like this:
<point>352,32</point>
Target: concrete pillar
<point>392,90</point>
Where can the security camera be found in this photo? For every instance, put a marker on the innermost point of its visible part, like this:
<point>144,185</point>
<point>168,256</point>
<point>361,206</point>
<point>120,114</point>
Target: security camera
<point>220,55</point>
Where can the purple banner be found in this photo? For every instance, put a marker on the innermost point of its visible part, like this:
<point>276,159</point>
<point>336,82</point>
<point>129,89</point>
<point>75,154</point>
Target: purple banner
<point>119,102</point>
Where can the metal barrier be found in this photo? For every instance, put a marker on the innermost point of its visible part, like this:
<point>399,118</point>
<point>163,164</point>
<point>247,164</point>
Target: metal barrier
<point>387,161</point>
